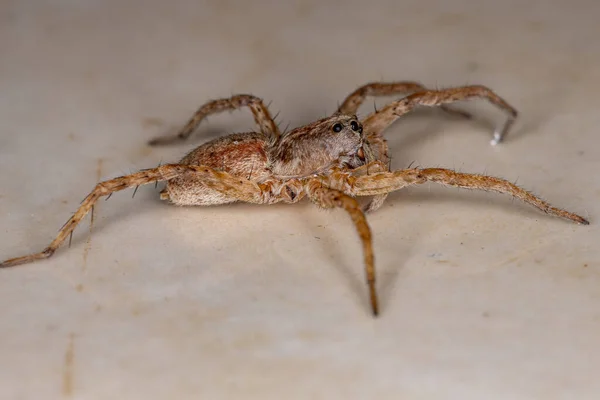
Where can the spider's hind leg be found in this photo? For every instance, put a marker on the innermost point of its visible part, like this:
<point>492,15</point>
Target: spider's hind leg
<point>261,114</point>
<point>242,190</point>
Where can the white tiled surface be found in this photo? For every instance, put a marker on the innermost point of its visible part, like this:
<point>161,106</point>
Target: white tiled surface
<point>483,297</point>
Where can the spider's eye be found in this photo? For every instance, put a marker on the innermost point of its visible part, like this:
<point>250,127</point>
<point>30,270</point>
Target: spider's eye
<point>337,127</point>
<point>354,125</point>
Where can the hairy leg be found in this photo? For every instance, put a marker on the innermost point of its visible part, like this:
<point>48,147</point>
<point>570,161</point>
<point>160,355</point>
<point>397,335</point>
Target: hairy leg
<point>259,110</point>
<point>355,99</point>
<point>375,123</point>
<point>330,198</point>
<point>385,182</point>
<point>242,189</point>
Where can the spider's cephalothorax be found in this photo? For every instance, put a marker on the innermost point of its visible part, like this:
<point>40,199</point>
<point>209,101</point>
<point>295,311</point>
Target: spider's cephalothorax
<point>315,147</point>
<point>330,161</point>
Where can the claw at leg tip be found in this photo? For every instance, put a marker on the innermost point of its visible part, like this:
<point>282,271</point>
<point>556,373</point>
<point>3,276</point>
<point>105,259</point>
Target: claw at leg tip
<point>497,139</point>
<point>374,306</point>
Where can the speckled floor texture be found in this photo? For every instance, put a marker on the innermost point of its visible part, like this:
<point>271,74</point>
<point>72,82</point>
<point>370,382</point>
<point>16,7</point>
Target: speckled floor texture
<point>482,297</point>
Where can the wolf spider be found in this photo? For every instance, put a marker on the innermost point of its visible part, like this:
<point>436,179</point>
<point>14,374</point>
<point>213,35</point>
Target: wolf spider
<point>331,161</point>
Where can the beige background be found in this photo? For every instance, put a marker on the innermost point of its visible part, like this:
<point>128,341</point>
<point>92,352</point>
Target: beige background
<point>483,297</point>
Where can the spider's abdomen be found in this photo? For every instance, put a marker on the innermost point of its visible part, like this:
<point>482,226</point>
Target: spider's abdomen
<point>242,154</point>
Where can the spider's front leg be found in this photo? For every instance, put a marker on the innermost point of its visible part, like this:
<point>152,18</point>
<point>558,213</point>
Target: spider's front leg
<point>261,114</point>
<point>242,189</point>
<point>375,123</point>
<point>386,182</point>
<point>331,198</point>
<point>355,99</point>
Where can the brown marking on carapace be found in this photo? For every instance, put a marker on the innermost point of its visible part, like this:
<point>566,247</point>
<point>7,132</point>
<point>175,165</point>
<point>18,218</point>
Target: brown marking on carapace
<point>68,367</point>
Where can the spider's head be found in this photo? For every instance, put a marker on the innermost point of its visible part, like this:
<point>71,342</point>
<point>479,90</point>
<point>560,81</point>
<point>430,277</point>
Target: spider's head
<point>336,140</point>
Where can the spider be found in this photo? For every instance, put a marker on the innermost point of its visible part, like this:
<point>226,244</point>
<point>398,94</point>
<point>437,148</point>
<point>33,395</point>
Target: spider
<point>331,161</point>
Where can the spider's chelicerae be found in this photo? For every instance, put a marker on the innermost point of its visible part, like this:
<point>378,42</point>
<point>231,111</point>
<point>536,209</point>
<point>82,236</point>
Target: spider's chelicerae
<point>331,161</point>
